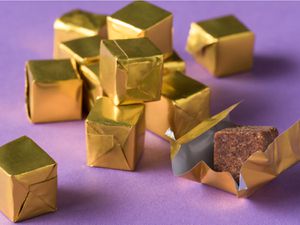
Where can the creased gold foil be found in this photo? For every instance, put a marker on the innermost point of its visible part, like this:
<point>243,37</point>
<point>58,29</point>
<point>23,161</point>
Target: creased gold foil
<point>143,19</point>
<point>184,103</point>
<point>192,158</point>
<point>77,24</point>
<point>115,135</point>
<point>92,88</point>
<point>83,50</point>
<point>53,91</point>
<point>28,179</point>
<point>174,63</point>
<point>131,70</point>
<point>223,45</point>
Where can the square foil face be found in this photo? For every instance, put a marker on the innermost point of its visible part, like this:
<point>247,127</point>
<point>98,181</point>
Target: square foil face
<point>143,19</point>
<point>82,50</point>
<point>131,70</point>
<point>115,135</point>
<point>184,104</point>
<point>77,24</point>
<point>92,88</point>
<point>223,45</point>
<point>174,63</point>
<point>28,178</point>
<point>53,91</point>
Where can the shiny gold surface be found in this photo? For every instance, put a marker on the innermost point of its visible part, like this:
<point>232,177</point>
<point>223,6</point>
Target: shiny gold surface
<point>28,178</point>
<point>115,135</point>
<point>142,19</point>
<point>259,169</point>
<point>174,63</point>
<point>184,103</point>
<point>53,91</point>
<point>77,24</point>
<point>223,45</point>
<point>83,50</point>
<point>131,70</point>
<point>92,88</point>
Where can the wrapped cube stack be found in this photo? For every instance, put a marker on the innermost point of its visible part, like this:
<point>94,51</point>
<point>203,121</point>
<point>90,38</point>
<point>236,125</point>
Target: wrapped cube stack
<point>131,70</point>
<point>76,24</point>
<point>121,74</point>
<point>142,19</point>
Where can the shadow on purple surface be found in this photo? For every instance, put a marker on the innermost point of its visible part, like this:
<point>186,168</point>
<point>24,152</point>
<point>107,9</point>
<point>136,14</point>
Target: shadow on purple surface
<point>156,156</point>
<point>75,204</point>
<point>272,65</point>
<point>268,67</point>
<point>281,193</point>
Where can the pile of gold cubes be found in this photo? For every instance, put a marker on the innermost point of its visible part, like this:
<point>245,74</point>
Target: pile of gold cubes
<point>121,73</point>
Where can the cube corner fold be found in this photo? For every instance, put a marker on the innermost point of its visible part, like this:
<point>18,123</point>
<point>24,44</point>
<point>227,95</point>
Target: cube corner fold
<point>115,135</point>
<point>28,180</point>
<point>224,46</point>
<point>131,70</point>
<point>143,19</point>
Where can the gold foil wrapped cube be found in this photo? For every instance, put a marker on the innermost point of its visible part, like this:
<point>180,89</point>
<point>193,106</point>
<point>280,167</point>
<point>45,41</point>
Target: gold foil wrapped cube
<point>184,103</point>
<point>115,135</point>
<point>53,91</point>
<point>76,24</point>
<point>92,88</point>
<point>82,50</point>
<point>222,45</point>
<point>143,19</point>
<point>28,177</point>
<point>131,70</point>
<point>174,63</point>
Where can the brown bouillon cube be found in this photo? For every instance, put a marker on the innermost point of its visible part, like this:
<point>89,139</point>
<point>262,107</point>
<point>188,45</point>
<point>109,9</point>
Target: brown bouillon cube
<point>233,146</point>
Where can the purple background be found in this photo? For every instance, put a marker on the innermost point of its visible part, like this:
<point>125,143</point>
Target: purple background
<point>152,195</point>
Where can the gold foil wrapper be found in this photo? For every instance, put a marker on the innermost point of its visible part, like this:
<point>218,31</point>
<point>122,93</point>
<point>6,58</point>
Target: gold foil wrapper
<point>192,157</point>
<point>143,19</point>
<point>184,103</point>
<point>115,135</point>
<point>77,24</point>
<point>53,91</point>
<point>174,63</point>
<point>223,45</point>
<point>92,89</point>
<point>83,50</point>
<point>131,70</point>
<point>28,179</point>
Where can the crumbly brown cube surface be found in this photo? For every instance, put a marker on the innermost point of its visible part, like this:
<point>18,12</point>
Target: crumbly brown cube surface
<point>233,146</point>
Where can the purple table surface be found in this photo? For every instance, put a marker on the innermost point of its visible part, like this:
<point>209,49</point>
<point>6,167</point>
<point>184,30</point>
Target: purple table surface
<point>152,195</point>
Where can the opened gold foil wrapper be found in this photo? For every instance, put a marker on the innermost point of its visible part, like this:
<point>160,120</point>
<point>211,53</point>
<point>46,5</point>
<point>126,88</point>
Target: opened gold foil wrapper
<point>131,70</point>
<point>184,103</point>
<point>83,50</point>
<point>174,63</point>
<point>92,88</point>
<point>192,157</point>
<point>28,177</point>
<point>223,45</point>
<point>53,91</point>
<point>115,135</point>
<point>77,24</point>
<point>143,19</point>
